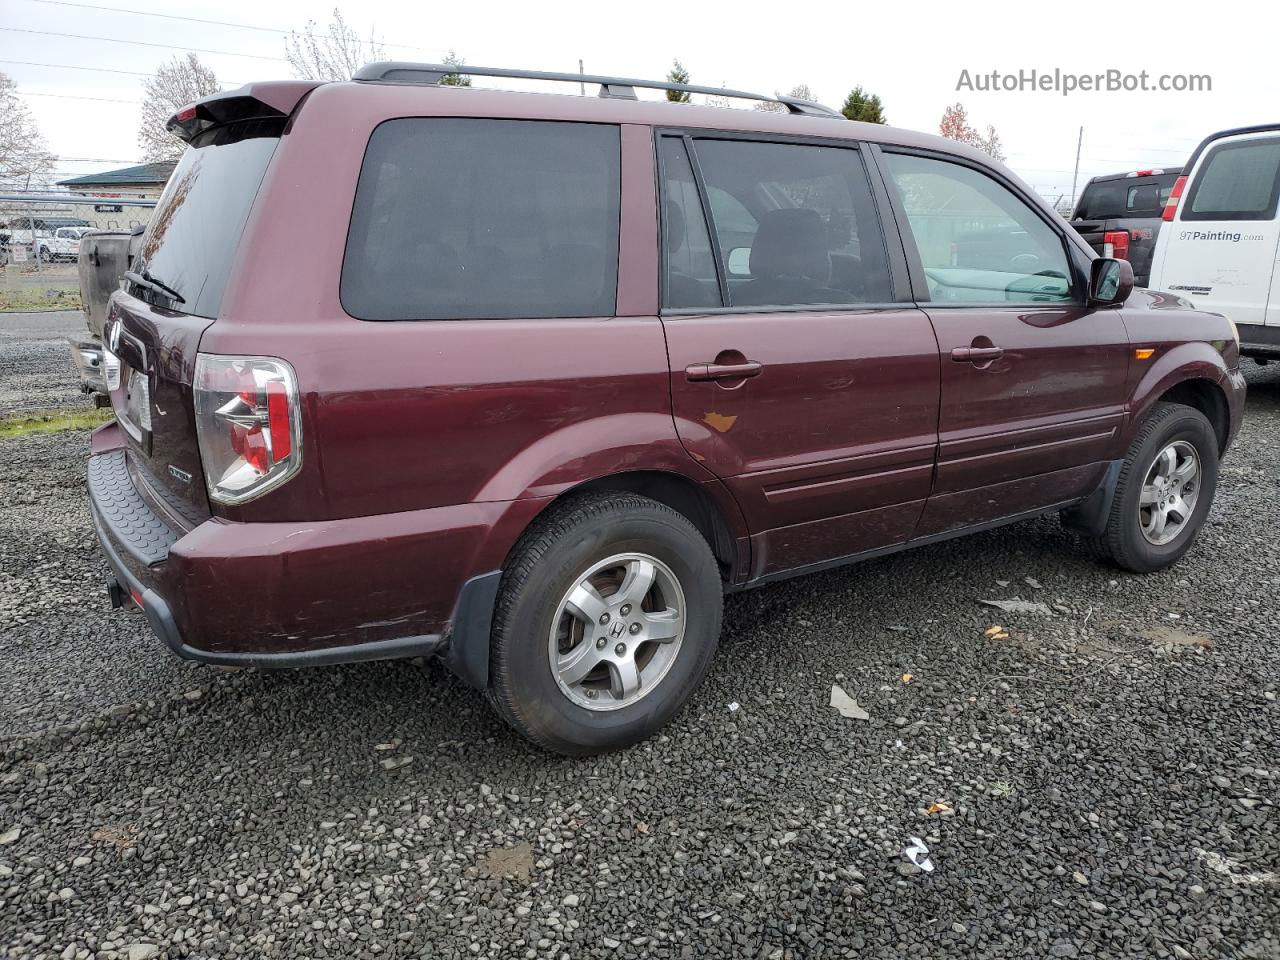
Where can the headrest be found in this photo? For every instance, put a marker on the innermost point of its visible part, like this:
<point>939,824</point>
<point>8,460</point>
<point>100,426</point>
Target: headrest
<point>791,243</point>
<point>675,226</point>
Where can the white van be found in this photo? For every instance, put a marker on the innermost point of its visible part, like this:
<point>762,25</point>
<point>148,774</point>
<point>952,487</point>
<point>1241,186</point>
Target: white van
<point>1220,248</point>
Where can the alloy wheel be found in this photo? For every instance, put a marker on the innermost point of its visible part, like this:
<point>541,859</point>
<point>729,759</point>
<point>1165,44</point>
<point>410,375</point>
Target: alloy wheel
<point>617,631</point>
<point>1169,493</point>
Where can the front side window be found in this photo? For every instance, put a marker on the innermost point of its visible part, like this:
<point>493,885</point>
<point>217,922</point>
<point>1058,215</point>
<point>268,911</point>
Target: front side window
<point>1237,181</point>
<point>484,219</point>
<point>795,223</point>
<point>978,241</point>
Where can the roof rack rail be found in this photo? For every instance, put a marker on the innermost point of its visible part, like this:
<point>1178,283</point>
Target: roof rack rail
<point>623,88</point>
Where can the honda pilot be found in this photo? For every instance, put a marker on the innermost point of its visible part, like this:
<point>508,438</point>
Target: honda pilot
<point>529,381</point>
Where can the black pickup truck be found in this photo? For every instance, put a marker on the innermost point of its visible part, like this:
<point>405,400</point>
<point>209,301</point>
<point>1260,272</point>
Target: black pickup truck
<point>1120,214</point>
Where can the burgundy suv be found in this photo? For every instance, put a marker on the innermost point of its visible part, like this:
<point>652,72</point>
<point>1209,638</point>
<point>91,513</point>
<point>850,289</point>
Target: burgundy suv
<point>528,381</point>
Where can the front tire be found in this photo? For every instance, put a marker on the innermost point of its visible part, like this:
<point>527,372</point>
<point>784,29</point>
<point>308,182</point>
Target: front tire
<point>1165,490</point>
<point>607,619</point>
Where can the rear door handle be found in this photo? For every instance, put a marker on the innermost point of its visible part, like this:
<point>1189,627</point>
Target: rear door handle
<point>977,354</point>
<point>696,372</point>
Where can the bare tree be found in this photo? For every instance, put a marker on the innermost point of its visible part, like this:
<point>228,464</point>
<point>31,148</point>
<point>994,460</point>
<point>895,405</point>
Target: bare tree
<point>800,91</point>
<point>25,161</point>
<point>177,83</point>
<point>335,55</point>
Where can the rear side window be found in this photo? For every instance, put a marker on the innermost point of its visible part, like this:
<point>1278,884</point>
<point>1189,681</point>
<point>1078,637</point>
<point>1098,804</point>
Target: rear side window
<point>795,223</point>
<point>1237,181</point>
<point>195,230</point>
<point>484,219</point>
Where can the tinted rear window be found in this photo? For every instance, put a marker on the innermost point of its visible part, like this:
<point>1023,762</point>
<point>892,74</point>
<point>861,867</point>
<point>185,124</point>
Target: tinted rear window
<point>1125,197</point>
<point>196,226</point>
<point>484,219</point>
<point>1237,181</point>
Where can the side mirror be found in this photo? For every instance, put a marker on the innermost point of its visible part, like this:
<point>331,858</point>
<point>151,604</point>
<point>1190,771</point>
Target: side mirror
<point>739,262</point>
<point>1110,281</point>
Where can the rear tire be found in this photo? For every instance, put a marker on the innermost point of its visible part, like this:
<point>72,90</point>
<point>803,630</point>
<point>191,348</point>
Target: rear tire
<point>573,666</point>
<point>1164,492</point>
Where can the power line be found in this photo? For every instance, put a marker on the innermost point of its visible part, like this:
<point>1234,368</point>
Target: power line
<point>72,66</point>
<point>72,96</point>
<point>141,43</point>
<point>214,23</point>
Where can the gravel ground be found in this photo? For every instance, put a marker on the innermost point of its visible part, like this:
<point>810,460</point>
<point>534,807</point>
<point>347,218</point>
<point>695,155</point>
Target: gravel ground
<point>1109,771</point>
<point>35,361</point>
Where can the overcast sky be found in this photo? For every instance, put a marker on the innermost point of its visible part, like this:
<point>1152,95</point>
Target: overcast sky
<point>910,53</point>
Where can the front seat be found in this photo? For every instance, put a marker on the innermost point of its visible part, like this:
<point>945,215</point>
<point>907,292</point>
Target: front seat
<point>790,262</point>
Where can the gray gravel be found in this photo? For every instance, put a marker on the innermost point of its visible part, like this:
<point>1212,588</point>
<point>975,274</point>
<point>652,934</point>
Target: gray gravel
<point>1111,769</point>
<point>35,360</point>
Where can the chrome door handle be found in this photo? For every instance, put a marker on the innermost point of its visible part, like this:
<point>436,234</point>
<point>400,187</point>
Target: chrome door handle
<point>977,354</point>
<point>722,371</point>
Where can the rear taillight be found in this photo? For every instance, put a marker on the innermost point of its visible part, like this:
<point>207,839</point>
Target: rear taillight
<point>1116,244</point>
<point>248,423</point>
<point>1171,205</point>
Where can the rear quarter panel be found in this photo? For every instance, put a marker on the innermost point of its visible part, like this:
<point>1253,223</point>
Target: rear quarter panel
<point>411,415</point>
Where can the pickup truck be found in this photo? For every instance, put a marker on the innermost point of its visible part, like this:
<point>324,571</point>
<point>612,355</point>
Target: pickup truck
<point>104,257</point>
<point>1119,215</point>
<point>63,245</point>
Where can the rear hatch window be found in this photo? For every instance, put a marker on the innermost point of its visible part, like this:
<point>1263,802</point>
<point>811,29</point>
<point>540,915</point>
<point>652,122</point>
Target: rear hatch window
<point>1125,197</point>
<point>189,247</point>
<point>174,292</point>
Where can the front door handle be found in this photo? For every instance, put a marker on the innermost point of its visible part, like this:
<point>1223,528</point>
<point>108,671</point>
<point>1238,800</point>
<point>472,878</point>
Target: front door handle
<point>696,372</point>
<point>977,354</point>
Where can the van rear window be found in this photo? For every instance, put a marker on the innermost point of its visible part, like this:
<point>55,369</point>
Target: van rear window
<point>1237,181</point>
<point>195,228</point>
<point>471,218</point>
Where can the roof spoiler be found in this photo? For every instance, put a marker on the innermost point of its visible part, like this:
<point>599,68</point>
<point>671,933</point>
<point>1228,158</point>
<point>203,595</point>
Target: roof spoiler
<point>253,101</point>
<point>622,88</point>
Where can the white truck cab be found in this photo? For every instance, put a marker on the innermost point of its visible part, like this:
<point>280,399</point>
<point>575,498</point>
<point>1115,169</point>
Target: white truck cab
<point>1220,245</point>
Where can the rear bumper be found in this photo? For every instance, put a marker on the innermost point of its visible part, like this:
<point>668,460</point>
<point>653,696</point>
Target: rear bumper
<point>1258,340</point>
<point>290,594</point>
<point>87,357</point>
<point>1236,389</point>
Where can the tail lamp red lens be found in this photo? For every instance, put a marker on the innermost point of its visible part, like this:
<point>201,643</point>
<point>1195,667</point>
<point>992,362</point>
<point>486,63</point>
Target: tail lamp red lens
<point>1171,205</point>
<point>248,423</point>
<point>1118,243</point>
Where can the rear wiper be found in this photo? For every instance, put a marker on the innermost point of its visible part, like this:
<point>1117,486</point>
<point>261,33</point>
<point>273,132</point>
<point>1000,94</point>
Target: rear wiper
<point>144,279</point>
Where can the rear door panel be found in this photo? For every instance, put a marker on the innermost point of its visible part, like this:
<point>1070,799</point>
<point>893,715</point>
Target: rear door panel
<point>830,449</point>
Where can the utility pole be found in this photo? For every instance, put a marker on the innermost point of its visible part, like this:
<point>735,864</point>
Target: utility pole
<point>582,87</point>
<point>1076,174</point>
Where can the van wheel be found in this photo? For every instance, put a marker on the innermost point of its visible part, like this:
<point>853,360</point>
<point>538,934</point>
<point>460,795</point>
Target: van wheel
<point>1165,490</point>
<point>607,618</point>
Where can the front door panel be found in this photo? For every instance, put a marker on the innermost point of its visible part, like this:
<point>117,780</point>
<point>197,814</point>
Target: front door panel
<point>1033,426</point>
